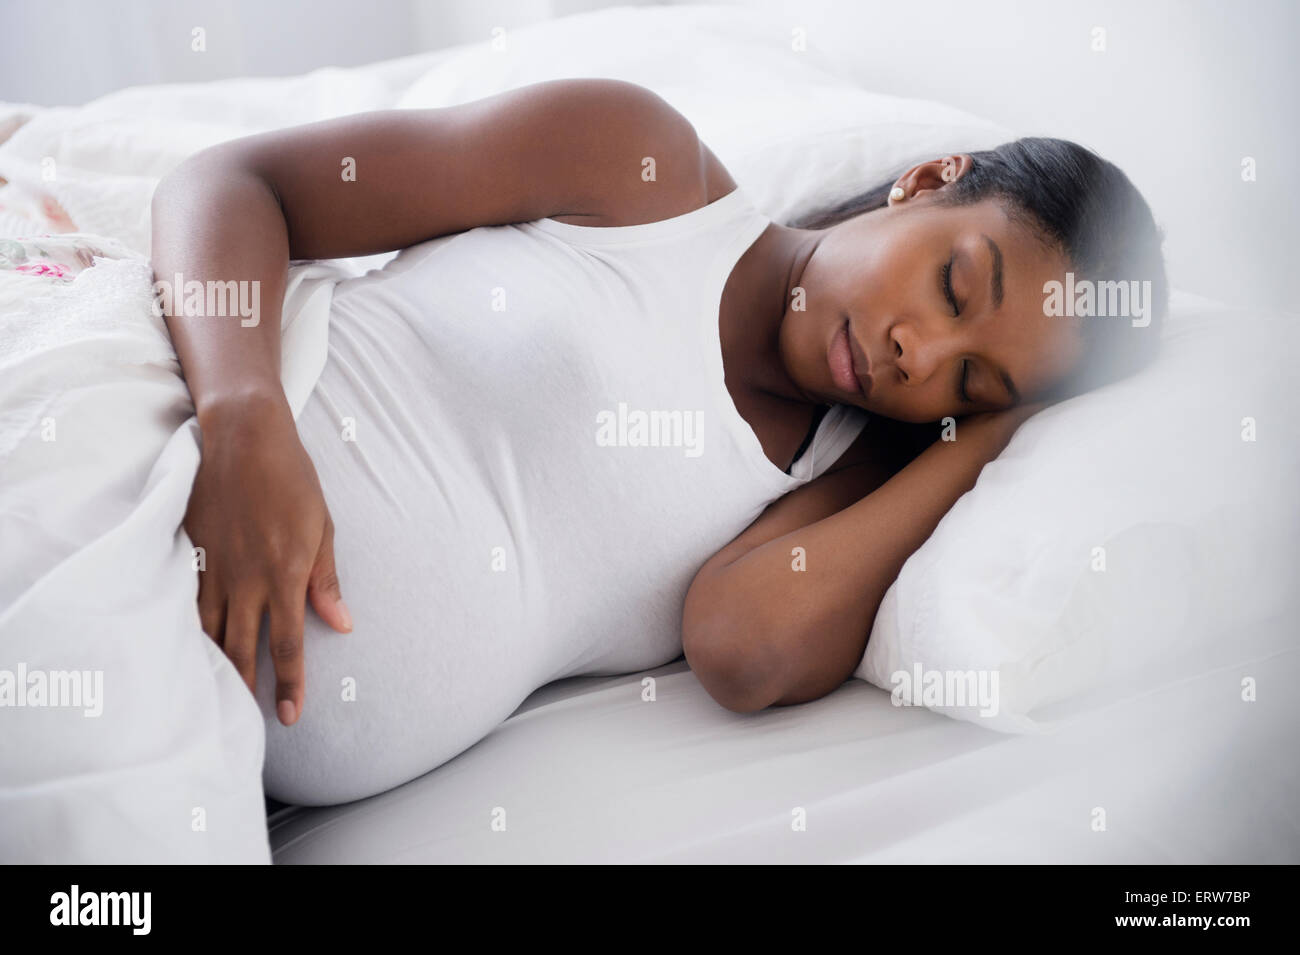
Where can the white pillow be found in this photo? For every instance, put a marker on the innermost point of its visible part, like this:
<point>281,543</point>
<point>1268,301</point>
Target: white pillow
<point>1196,520</point>
<point>793,135</point>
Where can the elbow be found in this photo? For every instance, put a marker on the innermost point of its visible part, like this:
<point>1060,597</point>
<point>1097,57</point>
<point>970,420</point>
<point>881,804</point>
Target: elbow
<point>177,189</point>
<point>731,669</point>
<point>186,169</point>
<point>162,192</point>
<point>216,164</point>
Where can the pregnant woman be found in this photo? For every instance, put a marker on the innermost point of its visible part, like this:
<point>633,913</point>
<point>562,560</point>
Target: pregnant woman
<point>599,410</point>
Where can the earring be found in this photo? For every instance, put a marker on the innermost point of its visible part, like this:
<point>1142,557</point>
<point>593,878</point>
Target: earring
<point>948,174</point>
<point>897,194</point>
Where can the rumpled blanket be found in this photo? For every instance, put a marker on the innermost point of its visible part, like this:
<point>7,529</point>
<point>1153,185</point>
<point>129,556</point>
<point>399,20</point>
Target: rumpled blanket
<point>127,734</point>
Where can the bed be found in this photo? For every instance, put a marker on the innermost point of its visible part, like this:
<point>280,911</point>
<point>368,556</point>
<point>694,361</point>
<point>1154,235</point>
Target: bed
<point>588,772</point>
<point>1149,715</point>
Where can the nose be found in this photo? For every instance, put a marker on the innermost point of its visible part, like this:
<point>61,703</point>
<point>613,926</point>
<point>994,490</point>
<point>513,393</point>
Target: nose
<point>917,355</point>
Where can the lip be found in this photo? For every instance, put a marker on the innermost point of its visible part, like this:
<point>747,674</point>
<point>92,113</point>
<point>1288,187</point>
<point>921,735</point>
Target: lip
<point>861,361</point>
<point>839,361</point>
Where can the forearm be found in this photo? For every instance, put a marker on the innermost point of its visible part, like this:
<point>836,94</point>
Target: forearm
<point>215,223</point>
<point>798,608</point>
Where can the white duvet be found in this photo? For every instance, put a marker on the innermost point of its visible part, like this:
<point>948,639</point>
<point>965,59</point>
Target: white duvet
<point>98,581</point>
<point>126,734</point>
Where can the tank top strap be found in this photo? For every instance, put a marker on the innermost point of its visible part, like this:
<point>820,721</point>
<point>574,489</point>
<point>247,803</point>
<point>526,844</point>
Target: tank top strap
<point>839,428</point>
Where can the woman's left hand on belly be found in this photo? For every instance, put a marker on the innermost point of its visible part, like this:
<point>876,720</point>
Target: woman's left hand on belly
<point>257,511</point>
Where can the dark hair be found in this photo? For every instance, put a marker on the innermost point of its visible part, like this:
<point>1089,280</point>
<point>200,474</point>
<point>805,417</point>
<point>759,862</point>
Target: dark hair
<point>1079,204</point>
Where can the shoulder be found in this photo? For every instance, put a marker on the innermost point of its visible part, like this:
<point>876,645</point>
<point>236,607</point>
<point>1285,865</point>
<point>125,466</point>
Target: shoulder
<point>660,166</point>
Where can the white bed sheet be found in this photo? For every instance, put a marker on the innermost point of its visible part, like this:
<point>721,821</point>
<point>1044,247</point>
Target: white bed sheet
<point>589,772</point>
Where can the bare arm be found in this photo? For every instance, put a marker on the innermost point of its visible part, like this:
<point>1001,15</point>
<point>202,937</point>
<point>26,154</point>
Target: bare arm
<point>241,210</point>
<point>758,632</point>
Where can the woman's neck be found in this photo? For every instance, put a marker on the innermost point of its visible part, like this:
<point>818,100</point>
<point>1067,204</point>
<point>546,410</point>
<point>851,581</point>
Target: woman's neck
<point>755,300</point>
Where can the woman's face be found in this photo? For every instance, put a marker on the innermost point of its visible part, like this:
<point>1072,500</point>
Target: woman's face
<point>919,311</point>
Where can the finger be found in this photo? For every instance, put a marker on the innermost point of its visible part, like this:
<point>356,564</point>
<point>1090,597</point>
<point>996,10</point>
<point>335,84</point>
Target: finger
<point>212,608</point>
<point>243,621</point>
<point>323,586</point>
<point>287,610</point>
<point>212,612</point>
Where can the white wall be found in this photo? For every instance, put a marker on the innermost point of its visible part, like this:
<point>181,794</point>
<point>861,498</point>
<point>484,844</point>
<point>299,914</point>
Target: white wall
<point>65,52</point>
<point>1183,91</point>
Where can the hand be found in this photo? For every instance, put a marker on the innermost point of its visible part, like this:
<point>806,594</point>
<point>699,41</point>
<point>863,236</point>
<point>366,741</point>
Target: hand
<point>257,510</point>
<point>1000,425</point>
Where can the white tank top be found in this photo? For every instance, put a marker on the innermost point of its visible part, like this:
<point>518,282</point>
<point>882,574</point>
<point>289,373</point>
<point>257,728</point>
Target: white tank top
<point>542,454</point>
<point>572,393</point>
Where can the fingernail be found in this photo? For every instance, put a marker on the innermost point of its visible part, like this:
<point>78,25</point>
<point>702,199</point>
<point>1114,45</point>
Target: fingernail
<point>286,711</point>
<point>347,615</point>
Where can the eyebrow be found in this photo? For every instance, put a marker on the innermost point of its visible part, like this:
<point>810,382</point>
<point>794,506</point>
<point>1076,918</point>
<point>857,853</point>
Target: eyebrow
<point>995,280</point>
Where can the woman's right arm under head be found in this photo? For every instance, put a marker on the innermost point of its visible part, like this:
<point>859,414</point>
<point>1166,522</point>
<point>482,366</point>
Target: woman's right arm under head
<point>757,633</point>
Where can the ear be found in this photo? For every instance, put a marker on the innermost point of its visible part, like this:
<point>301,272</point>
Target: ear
<point>931,176</point>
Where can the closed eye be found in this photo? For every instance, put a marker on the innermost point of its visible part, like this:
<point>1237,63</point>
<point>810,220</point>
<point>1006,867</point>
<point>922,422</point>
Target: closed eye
<point>945,286</point>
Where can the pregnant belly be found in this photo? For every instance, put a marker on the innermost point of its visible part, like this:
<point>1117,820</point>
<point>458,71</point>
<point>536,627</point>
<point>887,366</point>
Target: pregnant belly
<point>437,656</point>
